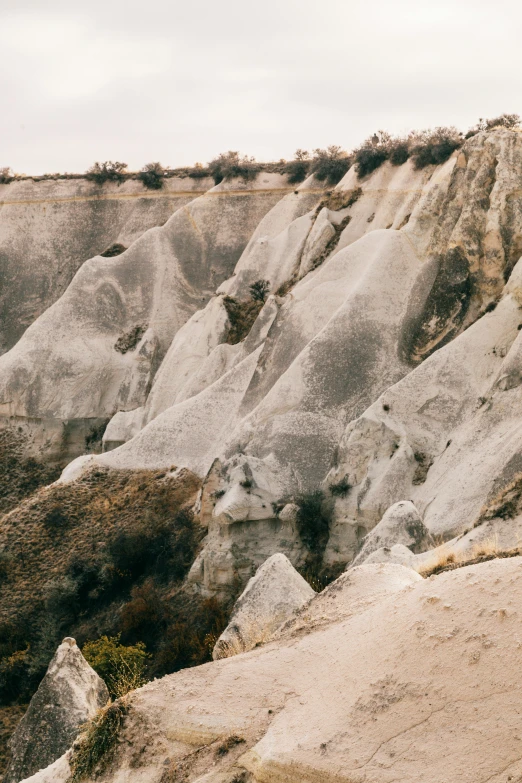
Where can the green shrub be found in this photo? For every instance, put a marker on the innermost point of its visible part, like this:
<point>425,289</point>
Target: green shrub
<point>313,523</point>
<point>330,165</point>
<point>297,170</point>
<point>122,668</point>
<point>259,290</point>
<point>431,148</point>
<point>96,745</point>
<point>110,171</point>
<point>153,176</point>
<point>229,165</point>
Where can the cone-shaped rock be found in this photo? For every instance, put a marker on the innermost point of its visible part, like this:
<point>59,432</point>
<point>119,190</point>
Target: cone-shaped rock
<point>270,597</point>
<point>69,694</point>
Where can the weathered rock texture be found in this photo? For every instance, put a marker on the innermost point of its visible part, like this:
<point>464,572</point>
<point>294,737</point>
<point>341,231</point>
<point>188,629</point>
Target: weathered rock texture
<point>383,366</point>
<point>419,684</point>
<point>49,228</point>
<point>96,350</point>
<point>68,696</point>
<point>269,598</point>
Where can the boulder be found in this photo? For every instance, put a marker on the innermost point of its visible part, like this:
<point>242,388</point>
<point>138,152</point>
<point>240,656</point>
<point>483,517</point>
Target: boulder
<point>269,599</point>
<point>398,553</point>
<point>70,694</point>
<point>401,524</point>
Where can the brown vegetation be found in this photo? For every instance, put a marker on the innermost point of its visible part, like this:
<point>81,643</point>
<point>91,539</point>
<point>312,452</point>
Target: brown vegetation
<point>20,475</point>
<point>125,542</point>
<point>242,315</point>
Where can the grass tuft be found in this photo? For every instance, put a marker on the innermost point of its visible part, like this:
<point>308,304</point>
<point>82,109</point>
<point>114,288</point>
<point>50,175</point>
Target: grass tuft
<point>95,747</point>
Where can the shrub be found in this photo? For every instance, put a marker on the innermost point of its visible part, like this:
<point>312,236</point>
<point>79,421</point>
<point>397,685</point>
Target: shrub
<point>430,148</point>
<point>241,316</point>
<point>129,340</point>
<point>94,438</point>
<point>509,121</point>
<point>14,678</point>
<point>165,548</point>
<point>153,176</point>
<point>297,170</point>
<point>313,524</point>
<point>95,747</point>
<point>330,165</point>
<point>110,171</point>
<point>55,518</point>
<point>341,488</point>
<point>399,152</point>
<point>121,667</point>
<point>6,175</point>
<point>259,290</point>
<point>231,164</point>
<point>113,250</point>
<point>368,159</point>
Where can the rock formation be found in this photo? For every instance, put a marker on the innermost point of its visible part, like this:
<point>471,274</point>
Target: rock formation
<point>431,667</point>
<point>269,599</point>
<point>68,696</point>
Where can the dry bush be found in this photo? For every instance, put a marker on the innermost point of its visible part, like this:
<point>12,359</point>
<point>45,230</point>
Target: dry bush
<point>506,504</point>
<point>229,165</point>
<point>110,171</point>
<point>433,147</point>
<point>330,165</point>
<point>242,316</point>
<point>153,176</point>
<point>6,175</point>
<point>20,475</point>
<point>299,168</point>
<point>94,748</point>
<point>341,199</point>
<point>439,560</point>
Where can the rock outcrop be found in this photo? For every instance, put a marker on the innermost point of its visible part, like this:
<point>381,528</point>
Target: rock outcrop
<point>49,228</point>
<point>384,674</point>
<point>69,695</point>
<point>401,525</point>
<point>275,592</point>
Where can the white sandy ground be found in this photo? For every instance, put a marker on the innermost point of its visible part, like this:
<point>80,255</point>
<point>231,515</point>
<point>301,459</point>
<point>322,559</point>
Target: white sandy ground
<point>422,685</point>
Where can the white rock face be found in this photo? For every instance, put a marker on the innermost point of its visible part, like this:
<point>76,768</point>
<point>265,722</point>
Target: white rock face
<point>69,695</point>
<point>269,598</point>
<point>382,672</point>
<point>68,366</point>
<point>59,772</point>
<point>402,525</point>
<point>65,222</point>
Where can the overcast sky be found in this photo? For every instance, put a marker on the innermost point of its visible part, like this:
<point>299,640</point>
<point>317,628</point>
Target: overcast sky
<point>181,80</point>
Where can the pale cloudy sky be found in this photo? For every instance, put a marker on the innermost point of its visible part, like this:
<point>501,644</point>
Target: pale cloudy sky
<point>181,80</point>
